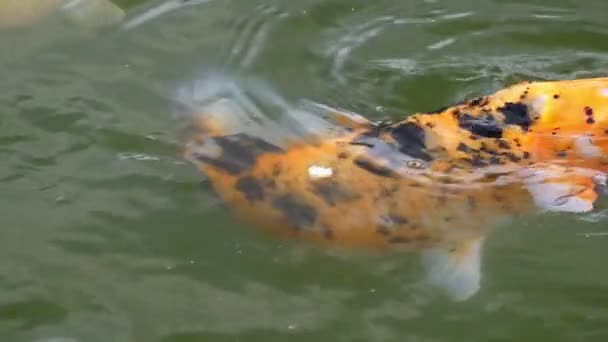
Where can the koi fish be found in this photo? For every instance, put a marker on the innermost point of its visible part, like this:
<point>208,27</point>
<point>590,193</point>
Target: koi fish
<point>85,13</point>
<point>434,182</point>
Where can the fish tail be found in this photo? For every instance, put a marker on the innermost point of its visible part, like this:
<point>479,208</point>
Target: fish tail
<point>224,125</point>
<point>219,106</point>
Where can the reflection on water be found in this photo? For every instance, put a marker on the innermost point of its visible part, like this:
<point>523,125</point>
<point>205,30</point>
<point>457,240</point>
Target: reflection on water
<point>108,236</point>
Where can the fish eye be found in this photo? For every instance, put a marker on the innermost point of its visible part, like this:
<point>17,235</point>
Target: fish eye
<point>415,164</point>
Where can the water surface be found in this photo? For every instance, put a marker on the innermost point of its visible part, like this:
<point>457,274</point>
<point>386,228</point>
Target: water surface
<point>107,235</point>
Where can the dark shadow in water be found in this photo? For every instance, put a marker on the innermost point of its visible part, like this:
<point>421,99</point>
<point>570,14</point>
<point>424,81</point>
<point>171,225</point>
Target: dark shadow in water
<point>32,313</point>
<point>256,335</point>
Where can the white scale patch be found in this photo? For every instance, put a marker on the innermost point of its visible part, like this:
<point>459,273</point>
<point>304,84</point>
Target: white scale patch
<point>584,145</point>
<point>316,172</point>
<point>539,104</point>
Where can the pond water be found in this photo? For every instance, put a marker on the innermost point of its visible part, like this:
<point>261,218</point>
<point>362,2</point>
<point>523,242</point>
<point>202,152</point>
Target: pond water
<point>108,236</point>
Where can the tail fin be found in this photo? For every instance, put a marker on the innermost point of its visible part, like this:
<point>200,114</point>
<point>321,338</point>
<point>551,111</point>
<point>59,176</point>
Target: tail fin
<point>221,105</point>
<point>232,124</point>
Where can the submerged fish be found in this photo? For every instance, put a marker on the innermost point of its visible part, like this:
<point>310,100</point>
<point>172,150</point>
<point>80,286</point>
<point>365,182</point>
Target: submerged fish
<point>434,182</point>
<point>85,13</point>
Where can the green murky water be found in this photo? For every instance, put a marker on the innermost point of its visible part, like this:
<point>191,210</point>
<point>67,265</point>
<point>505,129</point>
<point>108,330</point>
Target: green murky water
<point>107,236</point>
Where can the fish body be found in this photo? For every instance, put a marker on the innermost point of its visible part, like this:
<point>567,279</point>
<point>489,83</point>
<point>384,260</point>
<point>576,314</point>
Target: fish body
<point>435,182</point>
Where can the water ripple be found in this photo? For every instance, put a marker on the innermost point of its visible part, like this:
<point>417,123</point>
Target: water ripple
<point>252,32</point>
<point>164,7</point>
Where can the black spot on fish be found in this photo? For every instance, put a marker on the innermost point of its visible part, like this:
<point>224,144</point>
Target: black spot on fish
<point>504,144</point>
<point>496,161</point>
<point>411,140</point>
<point>361,141</point>
<point>561,154</point>
<point>479,101</point>
<point>517,142</point>
<point>484,148</point>
<point>478,161</point>
<point>251,188</point>
<point>239,152</point>
<point>394,220</point>
<point>556,96</point>
<point>588,111</point>
<point>343,155</point>
<point>590,121</point>
<point>375,169</point>
<point>332,193</point>
<point>526,155</point>
<point>512,157</point>
<point>462,147</point>
<point>301,215</point>
<point>485,126</point>
<point>382,230</point>
<point>516,114</point>
<point>328,233</point>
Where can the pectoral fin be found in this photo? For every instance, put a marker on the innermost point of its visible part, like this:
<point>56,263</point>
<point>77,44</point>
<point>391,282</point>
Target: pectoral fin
<point>457,271</point>
<point>565,189</point>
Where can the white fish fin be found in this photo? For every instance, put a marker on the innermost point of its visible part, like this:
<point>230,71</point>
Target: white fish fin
<point>250,106</point>
<point>561,189</point>
<point>456,271</point>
